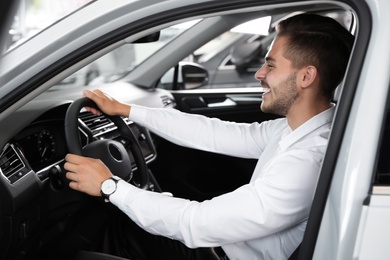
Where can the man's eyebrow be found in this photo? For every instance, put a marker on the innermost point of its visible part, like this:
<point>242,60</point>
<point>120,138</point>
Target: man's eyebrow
<point>268,58</point>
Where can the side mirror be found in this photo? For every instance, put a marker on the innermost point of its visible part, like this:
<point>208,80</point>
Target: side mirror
<point>194,75</point>
<point>186,75</point>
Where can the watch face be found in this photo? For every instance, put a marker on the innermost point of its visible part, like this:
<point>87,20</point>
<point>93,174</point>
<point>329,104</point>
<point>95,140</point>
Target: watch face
<point>108,186</point>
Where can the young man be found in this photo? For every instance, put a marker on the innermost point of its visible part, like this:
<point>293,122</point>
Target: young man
<point>266,218</point>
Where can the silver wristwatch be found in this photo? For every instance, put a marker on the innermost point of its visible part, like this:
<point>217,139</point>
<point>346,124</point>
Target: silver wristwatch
<point>108,187</point>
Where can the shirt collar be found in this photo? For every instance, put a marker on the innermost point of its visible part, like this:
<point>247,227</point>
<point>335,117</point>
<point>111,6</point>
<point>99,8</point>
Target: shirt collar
<point>289,137</point>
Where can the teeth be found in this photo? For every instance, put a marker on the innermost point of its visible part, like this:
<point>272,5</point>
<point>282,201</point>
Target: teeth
<point>266,90</point>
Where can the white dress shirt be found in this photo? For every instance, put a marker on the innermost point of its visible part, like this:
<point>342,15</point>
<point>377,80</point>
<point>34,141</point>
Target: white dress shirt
<point>264,219</point>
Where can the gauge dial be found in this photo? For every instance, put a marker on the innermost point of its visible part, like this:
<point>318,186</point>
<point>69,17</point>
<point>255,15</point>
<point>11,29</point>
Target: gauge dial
<point>46,145</point>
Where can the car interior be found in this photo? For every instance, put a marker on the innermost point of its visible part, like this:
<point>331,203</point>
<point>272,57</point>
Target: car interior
<point>41,217</point>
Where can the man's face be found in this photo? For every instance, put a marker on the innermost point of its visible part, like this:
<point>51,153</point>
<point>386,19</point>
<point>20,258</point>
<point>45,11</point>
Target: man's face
<point>279,80</point>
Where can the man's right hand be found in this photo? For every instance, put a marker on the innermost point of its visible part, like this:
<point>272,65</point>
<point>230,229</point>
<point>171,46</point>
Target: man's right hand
<point>106,104</point>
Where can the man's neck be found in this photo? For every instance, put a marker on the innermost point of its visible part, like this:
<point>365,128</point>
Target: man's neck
<point>298,115</point>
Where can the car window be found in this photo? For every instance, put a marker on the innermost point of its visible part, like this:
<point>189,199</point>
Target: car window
<point>34,16</point>
<point>252,30</point>
<point>231,58</point>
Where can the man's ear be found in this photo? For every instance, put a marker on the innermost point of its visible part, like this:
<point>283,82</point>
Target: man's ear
<point>308,75</point>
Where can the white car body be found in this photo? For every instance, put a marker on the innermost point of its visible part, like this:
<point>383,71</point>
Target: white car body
<point>355,222</point>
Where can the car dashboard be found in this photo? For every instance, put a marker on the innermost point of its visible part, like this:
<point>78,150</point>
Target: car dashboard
<point>41,146</point>
<point>37,147</point>
<point>35,195</point>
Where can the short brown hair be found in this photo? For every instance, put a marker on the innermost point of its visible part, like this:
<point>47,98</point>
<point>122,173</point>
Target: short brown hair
<point>318,41</point>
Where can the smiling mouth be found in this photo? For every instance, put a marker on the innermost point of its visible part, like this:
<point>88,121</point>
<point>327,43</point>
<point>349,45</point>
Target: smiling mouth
<point>266,90</point>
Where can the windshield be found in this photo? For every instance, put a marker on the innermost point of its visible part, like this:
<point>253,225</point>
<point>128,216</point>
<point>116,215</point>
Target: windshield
<point>119,62</point>
<point>33,16</point>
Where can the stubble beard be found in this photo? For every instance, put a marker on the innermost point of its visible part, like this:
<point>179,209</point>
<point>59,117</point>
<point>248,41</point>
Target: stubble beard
<point>285,98</point>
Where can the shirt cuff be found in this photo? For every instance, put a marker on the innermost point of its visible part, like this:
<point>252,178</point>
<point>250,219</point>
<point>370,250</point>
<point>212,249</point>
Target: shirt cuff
<point>123,189</point>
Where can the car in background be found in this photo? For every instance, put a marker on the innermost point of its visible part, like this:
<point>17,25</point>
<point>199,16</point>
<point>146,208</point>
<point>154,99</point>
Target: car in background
<point>139,52</point>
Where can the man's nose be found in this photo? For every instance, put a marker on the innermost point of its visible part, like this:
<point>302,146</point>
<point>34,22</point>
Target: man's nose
<point>260,73</point>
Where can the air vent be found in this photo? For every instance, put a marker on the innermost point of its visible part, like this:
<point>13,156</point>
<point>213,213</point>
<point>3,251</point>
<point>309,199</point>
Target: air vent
<point>168,101</point>
<point>96,124</point>
<point>10,164</point>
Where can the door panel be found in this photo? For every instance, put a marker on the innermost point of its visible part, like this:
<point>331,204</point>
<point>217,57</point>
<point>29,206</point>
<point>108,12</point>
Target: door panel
<point>241,105</point>
<point>202,175</point>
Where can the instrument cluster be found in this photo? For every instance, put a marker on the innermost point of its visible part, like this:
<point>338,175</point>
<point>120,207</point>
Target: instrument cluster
<point>42,144</point>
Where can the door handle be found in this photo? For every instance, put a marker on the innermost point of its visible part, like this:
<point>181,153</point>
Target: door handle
<point>226,103</point>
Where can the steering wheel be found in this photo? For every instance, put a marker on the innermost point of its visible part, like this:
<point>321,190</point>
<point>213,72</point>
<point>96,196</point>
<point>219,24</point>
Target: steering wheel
<point>112,153</point>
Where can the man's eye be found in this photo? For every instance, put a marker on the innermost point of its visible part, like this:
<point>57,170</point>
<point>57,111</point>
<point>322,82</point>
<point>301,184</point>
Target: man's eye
<point>270,66</point>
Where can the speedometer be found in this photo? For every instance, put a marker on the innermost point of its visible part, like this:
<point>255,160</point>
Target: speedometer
<point>46,145</point>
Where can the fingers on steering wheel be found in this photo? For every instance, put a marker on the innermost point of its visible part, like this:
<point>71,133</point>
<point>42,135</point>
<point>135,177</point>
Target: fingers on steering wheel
<point>93,111</point>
